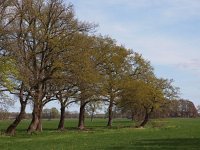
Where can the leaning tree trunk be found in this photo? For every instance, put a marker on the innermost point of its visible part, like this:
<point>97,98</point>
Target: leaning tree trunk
<point>146,118</point>
<point>23,102</point>
<point>11,129</point>
<point>61,125</point>
<point>81,124</point>
<point>110,114</point>
<point>35,119</point>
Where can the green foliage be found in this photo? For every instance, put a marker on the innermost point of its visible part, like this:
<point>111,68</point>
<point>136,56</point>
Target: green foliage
<point>141,97</point>
<point>54,113</point>
<point>45,47</point>
<point>8,70</point>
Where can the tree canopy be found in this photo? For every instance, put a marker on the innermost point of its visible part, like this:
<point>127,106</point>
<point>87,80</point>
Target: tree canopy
<point>47,54</point>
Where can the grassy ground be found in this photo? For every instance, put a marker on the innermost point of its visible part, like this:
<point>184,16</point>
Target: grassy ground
<point>164,134</point>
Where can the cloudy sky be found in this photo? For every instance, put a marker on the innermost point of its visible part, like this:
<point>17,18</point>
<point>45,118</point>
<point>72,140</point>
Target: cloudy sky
<point>166,32</point>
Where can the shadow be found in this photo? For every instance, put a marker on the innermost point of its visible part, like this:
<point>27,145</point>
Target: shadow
<point>88,128</point>
<point>66,129</point>
<point>174,143</point>
<point>160,144</point>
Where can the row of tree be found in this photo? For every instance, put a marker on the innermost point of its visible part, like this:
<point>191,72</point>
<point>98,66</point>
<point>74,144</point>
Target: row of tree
<point>179,108</point>
<point>172,109</point>
<point>47,54</point>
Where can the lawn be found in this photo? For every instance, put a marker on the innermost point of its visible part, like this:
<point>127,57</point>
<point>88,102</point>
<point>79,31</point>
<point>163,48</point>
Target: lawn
<point>160,134</point>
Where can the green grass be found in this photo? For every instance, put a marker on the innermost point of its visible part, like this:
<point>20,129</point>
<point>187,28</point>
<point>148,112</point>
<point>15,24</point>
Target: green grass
<point>164,134</point>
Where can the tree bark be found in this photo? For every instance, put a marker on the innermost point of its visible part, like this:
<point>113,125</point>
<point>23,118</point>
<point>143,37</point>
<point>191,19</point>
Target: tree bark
<point>146,118</point>
<point>61,125</point>
<point>81,124</point>
<point>36,123</point>
<point>23,102</point>
<point>110,114</point>
<point>39,126</point>
<point>35,119</point>
<point>11,129</point>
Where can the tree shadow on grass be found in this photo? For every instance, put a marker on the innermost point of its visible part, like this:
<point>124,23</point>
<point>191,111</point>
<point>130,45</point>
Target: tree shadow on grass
<point>160,144</point>
<point>174,143</point>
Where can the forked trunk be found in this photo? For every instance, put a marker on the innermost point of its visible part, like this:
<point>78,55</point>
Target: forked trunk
<point>146,118</point>
<point>11,129</point>
<point>35,119</point>
<point>61,125</point>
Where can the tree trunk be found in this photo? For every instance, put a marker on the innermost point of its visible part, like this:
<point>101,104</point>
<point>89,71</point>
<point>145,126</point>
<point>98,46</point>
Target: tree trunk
<point>146,118</point>
<point>92,116</point>
<point>35,119</point>
<point>81,117</point>
<point>132,116</point>
<point>11,129</point>
<point>39,126</point>
<point>61,125</point>
<point>23,102</point>
<point>110,114</point>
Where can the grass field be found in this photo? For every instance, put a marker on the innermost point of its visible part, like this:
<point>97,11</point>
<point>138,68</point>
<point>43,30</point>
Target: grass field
<point>162,134</point>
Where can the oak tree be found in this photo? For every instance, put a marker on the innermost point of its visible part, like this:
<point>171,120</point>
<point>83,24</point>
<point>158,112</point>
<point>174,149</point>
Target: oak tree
<point>39,36</point>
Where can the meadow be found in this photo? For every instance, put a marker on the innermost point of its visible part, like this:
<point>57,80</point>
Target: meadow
<point>159,134</point>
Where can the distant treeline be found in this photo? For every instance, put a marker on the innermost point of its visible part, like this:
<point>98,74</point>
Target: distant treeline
<point>173,109</point>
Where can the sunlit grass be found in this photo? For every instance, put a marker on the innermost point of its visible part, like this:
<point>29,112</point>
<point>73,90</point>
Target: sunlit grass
<point>158,135</point>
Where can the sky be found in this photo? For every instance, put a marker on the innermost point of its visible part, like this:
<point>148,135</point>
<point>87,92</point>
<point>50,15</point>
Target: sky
<point>165,32</point>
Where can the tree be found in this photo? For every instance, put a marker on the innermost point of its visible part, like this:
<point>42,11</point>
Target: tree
<point>54,112</point>
<point>139,71</point>
<point>111,66</point>
<point>92,107</point>
<point>181,108</point>
<point>8,68</point>
<point>143,92</point>
<point>198,109</point>
<point>65,98</point>
<point>46,113</point>
<point>140,96</point>
<point>23,96</point>
<point>7,64</point>
<point>50,113</point>
<point>38,37</point>
<point>86,75</point>
<point>4,114</point>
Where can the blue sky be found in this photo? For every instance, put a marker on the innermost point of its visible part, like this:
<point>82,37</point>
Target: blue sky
<point>166,32</point>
